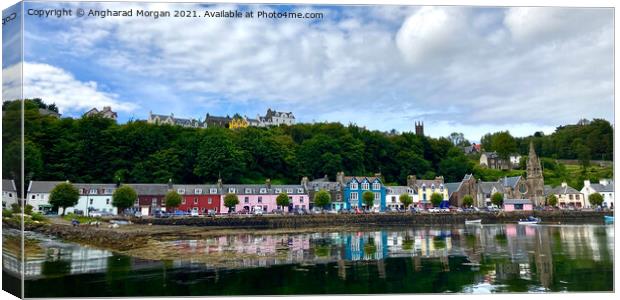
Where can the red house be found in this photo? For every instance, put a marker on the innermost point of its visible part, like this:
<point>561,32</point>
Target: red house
<point>200,198</point>
<point>150,197</point>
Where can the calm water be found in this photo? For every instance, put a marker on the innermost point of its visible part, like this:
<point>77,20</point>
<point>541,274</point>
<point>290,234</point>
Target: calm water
<point>465,259</point>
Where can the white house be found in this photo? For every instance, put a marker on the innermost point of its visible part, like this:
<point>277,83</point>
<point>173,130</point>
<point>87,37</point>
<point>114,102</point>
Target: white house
<point>93,196</point>
<point>392,197</point>
<point>605,187</point>
<point>9,193</point>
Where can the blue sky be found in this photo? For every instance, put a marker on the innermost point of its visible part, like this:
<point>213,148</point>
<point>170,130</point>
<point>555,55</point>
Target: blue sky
<point>472,70</point>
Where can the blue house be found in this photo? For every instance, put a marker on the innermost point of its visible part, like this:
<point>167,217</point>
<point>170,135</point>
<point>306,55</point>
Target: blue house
<point>355,186</point>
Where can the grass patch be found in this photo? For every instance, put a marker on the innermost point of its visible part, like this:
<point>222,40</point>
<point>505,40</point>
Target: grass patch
<point>82,219</point>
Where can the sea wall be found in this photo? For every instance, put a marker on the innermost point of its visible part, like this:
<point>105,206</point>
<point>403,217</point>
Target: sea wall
<point>295,221</point>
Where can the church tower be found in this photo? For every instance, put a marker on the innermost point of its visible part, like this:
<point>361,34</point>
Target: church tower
<point>534,179</point>
<point>419,128</point>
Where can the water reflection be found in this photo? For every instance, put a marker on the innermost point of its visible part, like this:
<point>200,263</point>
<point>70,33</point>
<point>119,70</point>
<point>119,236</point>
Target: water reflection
<point>488,258</point>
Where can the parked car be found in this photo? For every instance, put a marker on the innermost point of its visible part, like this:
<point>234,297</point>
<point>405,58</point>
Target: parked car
<point>316,210</point>
<point>258,211</point>
<point>194,213</point>
<point>211,213</point>
<point>161,214</point>
<point>433,209</point>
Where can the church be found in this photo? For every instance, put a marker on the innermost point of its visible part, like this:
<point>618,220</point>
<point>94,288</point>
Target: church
<point>534,189</point>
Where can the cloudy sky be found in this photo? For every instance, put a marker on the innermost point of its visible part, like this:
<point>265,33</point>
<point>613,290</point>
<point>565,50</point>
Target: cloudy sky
<point>465,69</point>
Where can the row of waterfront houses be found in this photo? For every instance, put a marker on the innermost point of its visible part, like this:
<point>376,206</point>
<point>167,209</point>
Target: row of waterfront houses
<point>346,193</point>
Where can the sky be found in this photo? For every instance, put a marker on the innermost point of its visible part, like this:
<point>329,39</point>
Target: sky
<point>457,69</point>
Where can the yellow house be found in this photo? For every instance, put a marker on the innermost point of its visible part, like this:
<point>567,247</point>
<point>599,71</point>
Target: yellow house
<point>238,123</point>
<point>426,188</point>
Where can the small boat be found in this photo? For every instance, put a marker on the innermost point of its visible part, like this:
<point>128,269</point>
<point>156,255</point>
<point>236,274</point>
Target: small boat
<point>477,221</point>
<point>529,221</point>
<point>609,219</point>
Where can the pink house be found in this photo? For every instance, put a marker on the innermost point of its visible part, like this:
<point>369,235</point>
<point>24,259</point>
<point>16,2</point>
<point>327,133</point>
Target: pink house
<point>518,205</point>
<point>252,196</point>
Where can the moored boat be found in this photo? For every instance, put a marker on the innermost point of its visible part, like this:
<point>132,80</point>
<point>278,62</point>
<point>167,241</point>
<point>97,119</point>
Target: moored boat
<point>529,221</point>
<point>609,218</point>
<point>477,221</point>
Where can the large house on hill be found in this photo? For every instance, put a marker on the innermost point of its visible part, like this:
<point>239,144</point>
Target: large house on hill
<point>605,187</point>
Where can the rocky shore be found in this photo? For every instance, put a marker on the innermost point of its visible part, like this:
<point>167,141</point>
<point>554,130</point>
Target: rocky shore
<point>144,231</point>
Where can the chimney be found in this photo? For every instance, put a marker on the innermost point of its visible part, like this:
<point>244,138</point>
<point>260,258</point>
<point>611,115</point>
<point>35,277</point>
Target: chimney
<point>304,182</point>
<point>170,184</point>
<point>219,183</point>
<point>268,183</point>
<point>564,184</point>
<point>340,177</point>
<point>411,180</point>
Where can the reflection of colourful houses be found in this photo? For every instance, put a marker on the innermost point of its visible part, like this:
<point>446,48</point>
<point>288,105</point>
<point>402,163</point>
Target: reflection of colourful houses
<point>357,246</point>
<point>355,187</point>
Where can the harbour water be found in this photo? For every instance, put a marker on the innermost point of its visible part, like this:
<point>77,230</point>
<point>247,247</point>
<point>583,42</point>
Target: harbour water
<point>500,258</point>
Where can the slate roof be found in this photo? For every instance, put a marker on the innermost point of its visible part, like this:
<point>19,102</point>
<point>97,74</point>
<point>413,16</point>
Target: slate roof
<point>561,190</point>
<point>397,190</point>
<point>517,201</point>
<point>510,181</point>
<point>348,179</point>
<point>452,187</point>
<point>190,188</point>
<point>325,184</point>
<point>486,187</point>
<point>149,188</point>
<point>254,189</point>
<point>609,188</point>
<point>8,185</point>
<point>42,186</point>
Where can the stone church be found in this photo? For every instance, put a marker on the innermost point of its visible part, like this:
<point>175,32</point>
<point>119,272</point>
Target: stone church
<point>534,189</point>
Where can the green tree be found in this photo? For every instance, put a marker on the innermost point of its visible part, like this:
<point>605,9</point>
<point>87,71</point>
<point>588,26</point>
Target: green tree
<point>468,201</point>
<point>322,198</point>
<point>436,199</point>
<point>64,195</point>
<point>124,197</point>
<point>173,200</point>
<point>368,198</point>
<point>218,156</point>
<point>406,200</point>
<point>595,199</point>
<point>230,201</point>
<point>282,200</point>
<point>497,199</point>
<point>552,200</point>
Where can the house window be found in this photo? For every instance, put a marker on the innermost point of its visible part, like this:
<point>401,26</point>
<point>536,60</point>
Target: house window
<point>108,191</point>
<point>300,191</point>
<point>278,191</point>
<point>339,197</point>
<point>376,186</point>
<point>263,190</point>
<point>354,185</point>
<point>289,191</point>
<point>393,199</point>
<point>377,196</point>
<point>246,200</point>
<point>248,191</point>
<point>195,208</point>
<point>365,186</point>
<point>354,196</point>
<point>10,194</point>
<point>107,201</point>
<point>231,190</point>
<point>570,197</point>
<point>91,201</point>
<point>181,191</point>
<point>33,197</point>
<point>93,191</point>
<point>154,200</point>
<point>212,191</point>
<point>301,199</point>
<point>433,187</point>
<point>424,188</point>
<point>441,187</point>
<point>183,201</point>
<point>204,209</point>
<point>197,191</point>
<point>424,197</point>
<point>195,200</point>
<point>260,199</point>
<point>209,201</point>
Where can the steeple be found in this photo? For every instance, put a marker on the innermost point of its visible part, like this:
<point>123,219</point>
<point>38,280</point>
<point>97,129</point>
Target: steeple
<point>534,169</point>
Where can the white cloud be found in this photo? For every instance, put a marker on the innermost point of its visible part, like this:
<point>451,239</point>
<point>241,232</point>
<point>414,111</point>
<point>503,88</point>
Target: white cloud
<point>55,85</point>
<point>496,68</point>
